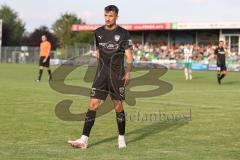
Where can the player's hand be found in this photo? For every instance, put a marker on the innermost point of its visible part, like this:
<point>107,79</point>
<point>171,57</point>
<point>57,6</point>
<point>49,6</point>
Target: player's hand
<point>45,60</point>
<point>126,78</point>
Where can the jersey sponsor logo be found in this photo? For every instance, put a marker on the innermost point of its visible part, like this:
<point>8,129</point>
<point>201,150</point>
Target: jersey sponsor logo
<point>100,37</point>
<point>221,52</point>
<point>109,45</point>
<point>117,37</point>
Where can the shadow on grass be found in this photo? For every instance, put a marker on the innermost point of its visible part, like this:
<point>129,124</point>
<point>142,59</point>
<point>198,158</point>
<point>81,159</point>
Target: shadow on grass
<point>230,82</point>
<point>197,77</point>
<point>147,131</point>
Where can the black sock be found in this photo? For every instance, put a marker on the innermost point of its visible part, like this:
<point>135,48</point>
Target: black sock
<point>89,121</point>
<point>40,74</point>
<point>50,74</point>
<point>222,76</point>
<point>120,116</point>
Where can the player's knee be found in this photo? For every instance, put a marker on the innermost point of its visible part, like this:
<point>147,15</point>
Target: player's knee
<point>93,107</point>
<point>118,109</point>
<point>224,72</point>
<point>94,104</point>
<point>118,106</point>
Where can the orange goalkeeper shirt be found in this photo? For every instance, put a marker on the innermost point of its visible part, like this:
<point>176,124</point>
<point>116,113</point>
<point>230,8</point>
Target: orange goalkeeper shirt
<point>45,48</point>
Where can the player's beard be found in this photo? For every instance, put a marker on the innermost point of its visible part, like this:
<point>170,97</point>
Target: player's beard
<point>110,26</point>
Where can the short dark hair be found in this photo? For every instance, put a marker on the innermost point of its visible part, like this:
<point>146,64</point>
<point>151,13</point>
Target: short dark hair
<point>44,35</point>
<point>111,8</point>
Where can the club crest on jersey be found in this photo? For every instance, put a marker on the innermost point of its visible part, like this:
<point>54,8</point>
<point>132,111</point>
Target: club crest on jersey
<point>117,37</point>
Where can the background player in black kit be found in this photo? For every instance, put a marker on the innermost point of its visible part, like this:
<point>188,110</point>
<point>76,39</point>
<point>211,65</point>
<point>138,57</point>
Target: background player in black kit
<point>113,45</point>
<point>220,53</point>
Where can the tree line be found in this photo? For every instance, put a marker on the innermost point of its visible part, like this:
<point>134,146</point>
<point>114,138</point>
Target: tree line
<point>60,34</point>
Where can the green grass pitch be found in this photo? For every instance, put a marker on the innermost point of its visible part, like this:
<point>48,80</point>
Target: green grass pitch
<point>29,128</point>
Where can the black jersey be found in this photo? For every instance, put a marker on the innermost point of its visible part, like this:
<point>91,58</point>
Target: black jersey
<point>112,45</point>
<point>220,52</point>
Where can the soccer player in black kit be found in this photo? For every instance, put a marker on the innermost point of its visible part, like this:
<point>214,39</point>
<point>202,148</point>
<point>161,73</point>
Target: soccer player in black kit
<point>113,45</point>
<point>220,53</point>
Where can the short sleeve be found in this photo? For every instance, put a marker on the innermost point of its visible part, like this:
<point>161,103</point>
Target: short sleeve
<point>49,46</point>
<point>96,40</point>
<point>216,51</point>
<point>127,41</point>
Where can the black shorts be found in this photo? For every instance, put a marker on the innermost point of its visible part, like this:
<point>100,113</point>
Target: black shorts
<point>103,85</point>
<point>222,66</point>
<point>44,64</point>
